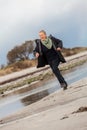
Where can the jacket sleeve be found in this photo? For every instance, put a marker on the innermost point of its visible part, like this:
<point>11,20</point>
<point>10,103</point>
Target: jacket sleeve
<point>36,47</point>
<point>57,42</point>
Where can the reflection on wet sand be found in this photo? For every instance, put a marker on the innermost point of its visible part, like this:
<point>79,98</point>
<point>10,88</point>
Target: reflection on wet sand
<point>33,98</point>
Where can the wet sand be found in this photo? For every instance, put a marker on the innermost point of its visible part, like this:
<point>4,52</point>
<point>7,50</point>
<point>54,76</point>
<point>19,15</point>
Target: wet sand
<point>56,111</point>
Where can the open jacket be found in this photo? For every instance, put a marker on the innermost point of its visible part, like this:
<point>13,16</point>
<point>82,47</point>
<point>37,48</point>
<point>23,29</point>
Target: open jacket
<point>41,59</point>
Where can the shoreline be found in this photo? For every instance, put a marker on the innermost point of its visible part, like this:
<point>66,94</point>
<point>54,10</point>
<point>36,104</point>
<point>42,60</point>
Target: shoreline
<point>68,102</point>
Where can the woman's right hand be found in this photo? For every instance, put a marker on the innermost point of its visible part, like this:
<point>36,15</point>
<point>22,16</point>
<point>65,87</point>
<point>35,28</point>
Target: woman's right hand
<point>37,55</point>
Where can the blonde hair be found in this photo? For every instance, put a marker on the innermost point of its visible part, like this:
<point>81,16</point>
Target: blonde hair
<point>42,31</point>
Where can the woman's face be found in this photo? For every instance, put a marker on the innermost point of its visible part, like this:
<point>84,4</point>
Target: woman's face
<point>42,36</point>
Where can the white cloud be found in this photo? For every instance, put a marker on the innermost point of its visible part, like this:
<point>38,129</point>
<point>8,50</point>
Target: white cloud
<point>18,11</point>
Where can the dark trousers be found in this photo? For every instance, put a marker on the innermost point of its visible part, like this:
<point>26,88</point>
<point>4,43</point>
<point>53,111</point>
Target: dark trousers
<point>54,66</point>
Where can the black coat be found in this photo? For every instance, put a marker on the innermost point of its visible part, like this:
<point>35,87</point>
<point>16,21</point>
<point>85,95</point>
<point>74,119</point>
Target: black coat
<point>41,59</point>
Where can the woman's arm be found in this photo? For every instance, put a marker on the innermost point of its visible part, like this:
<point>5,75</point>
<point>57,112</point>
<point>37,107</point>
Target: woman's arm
<point>36,50</point>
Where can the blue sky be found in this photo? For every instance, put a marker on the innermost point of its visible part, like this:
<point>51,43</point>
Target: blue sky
<point>21,20</point>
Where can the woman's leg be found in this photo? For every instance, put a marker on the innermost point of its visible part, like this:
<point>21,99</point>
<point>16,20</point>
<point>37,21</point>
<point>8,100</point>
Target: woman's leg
<point>54,66</point>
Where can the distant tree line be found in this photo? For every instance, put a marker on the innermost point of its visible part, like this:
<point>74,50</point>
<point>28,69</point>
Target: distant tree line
<point>21,52</point>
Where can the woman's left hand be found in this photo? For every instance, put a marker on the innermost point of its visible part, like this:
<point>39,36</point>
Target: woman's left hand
<point>58,49</point>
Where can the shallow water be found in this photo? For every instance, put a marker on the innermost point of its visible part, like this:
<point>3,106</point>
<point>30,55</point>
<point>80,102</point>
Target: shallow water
<point>15,102</point>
